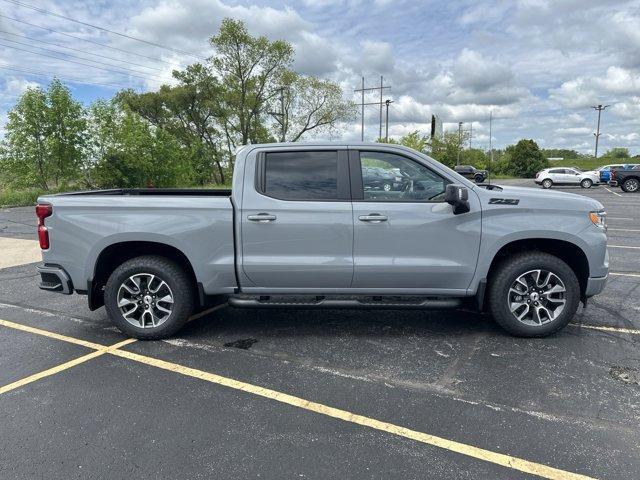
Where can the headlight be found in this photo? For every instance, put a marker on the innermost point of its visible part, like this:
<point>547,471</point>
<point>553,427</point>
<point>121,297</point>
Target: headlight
<point>599,219</point>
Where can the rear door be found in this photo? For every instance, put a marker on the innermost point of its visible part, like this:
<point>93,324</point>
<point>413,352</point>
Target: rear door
<point>408,239</point>
<point>296,221</point>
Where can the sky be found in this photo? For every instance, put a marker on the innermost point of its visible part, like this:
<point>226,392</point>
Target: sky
<point>537,65</point>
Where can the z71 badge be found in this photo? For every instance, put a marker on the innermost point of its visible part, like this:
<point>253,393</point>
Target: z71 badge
<point>504,201</point>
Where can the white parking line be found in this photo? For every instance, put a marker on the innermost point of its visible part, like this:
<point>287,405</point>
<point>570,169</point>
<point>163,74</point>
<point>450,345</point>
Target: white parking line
<point>610,191</point>
<point>624,246</point>
<point>620,274</point>
<point>621,230</point>
<point>620,218</point>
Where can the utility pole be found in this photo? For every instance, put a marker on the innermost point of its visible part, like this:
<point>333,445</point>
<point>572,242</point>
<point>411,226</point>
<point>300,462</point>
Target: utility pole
<point>386,123</point>
<point>280,116</point>
<point>362,91</point>
<point>459,142</point>
<point>381,87</point>
<point>599,108</point>
<point>490,144</point>
<point>470,134</point>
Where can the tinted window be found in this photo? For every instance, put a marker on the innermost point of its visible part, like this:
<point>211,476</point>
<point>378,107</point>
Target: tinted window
<point>301,175</point>
<point>557,170</point>
<point>391,177</point>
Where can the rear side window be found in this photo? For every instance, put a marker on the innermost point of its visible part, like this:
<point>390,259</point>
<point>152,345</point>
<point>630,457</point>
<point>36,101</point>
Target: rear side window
<point>557,170</point>
<point>301,175</point>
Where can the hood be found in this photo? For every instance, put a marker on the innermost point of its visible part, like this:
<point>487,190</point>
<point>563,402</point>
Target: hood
<point>539,198</point>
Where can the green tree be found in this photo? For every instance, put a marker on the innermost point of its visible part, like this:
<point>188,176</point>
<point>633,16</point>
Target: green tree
<point>44,138</point>
<point>308,104</point>
<point>617,153</point>
<point>525,158</point>
<point>129,152</point>
<point>249,68</point>
<point>447,148</point>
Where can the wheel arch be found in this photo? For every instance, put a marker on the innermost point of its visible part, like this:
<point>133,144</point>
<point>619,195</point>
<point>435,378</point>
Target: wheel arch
<point>569,252</point>
<point>117,253</point>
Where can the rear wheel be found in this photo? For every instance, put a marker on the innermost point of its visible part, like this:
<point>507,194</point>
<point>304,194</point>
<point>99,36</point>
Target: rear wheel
<point>149,297</point>
<point>586,183</point>
<point>546,183</point>
<point>479,178</point>
<point>533,294</point>
<point>630,185</point>
<point>386,187</point>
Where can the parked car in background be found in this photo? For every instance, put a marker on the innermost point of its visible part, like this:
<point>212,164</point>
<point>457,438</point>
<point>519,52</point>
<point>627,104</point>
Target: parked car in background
<point>566,176</point>
<point>376,178</point>
<point>605,171</point>
<point>628,179</point>
<point>472,173</point>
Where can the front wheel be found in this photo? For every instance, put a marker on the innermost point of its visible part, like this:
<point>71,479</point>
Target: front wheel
<point>149,297</point>
<point>533,294</point>
<point>479,178</point>
<point>586,183</point>
<point>630,185</point>
<point>547,183</point>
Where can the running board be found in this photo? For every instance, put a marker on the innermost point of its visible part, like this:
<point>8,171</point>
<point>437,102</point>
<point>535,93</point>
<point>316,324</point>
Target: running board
<point>323,302</point>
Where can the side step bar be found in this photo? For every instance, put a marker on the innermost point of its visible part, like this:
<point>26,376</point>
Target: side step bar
<point>321,302</point>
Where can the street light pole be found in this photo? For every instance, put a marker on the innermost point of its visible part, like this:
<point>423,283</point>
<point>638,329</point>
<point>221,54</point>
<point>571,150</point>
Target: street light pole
<point>386,121</point>
<point>599,108</point>
<point>459,142</point>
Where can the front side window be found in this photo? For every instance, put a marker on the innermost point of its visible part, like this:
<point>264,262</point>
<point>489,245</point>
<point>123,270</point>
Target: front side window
<point>301,175</point>
<point>392,177</point>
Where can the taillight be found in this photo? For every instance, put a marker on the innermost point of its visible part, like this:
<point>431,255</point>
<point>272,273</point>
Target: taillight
<point>43,210</point>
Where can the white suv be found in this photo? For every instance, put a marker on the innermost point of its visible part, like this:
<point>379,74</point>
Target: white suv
<point>566,176</point>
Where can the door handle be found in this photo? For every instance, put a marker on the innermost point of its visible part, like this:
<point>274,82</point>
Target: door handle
<point>262,218</point>
<point>373,218</point>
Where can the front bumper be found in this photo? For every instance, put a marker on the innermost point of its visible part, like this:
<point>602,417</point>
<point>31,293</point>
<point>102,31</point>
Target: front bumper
<point>54,279</point>
<point>595,285</point>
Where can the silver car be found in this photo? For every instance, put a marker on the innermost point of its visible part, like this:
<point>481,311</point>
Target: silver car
<point>566,176</point>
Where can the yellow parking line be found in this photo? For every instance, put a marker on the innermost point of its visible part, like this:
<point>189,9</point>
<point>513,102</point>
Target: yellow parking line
<point>632,331</point>
<point>501,459</point>
<point>462,448</point>
<point>62,367</point>
<point>46,333</point>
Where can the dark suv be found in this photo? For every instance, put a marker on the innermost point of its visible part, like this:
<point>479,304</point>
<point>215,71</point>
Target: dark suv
<point>471,173</point>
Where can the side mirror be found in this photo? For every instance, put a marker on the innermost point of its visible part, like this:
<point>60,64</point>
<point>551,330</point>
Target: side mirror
<point>458,197</point>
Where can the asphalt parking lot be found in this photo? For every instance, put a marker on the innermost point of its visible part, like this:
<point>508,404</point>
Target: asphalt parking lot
<point>321,393</point>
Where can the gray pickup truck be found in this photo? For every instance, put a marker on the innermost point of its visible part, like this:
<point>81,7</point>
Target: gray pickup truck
<point>303,227</point>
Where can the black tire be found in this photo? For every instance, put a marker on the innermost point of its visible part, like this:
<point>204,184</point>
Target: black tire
<point>586,183</point>
<point>479,178</point>
<point>506,274</point>
<point>547,183</point>
<point>175,277</point>
<point>630,185</point>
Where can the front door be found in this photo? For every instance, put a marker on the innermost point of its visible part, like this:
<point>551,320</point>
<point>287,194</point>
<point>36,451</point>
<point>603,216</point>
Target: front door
<point>408,238</point>
<point>296,221</point>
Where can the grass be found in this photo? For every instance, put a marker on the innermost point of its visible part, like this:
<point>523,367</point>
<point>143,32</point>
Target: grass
<point>20,198</point>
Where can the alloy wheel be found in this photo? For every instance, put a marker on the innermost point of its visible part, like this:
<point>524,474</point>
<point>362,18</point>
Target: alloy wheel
<point>536,297</point>
<point>145,300</point>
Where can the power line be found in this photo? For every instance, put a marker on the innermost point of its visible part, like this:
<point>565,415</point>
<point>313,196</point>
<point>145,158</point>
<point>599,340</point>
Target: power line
<point>121,72</point>
<point>124,35</point>
<point>75,56</point>
<point>78,50</point>
<point>67,79</point>
<point>88,40</point>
